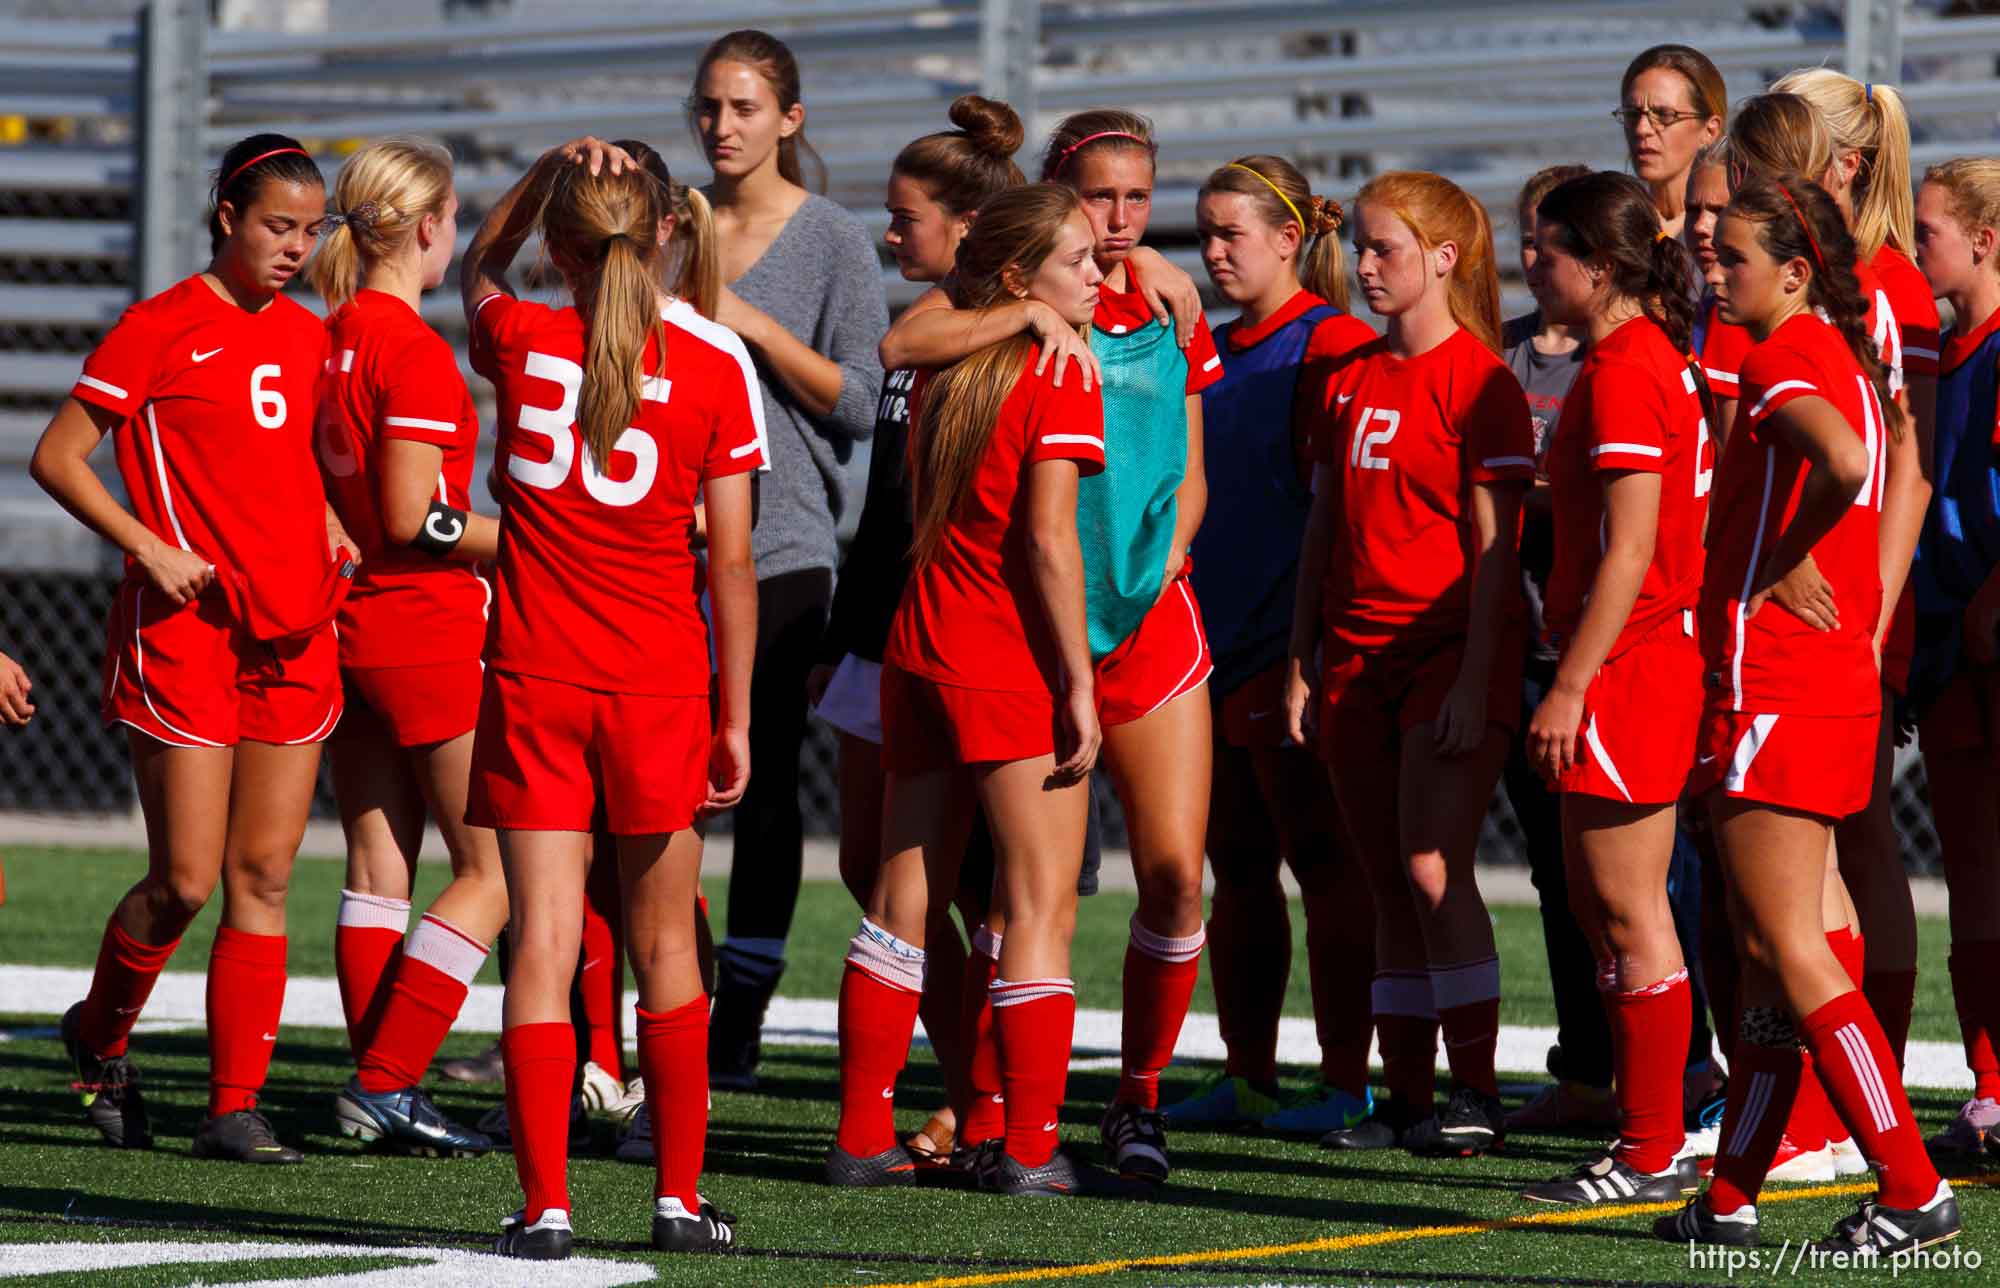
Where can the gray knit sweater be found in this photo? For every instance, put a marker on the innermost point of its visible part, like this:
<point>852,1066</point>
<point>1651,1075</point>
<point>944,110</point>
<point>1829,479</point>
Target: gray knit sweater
<point>820,280</point>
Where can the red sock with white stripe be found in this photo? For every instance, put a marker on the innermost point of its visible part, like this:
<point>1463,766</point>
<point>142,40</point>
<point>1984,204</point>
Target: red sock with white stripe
<point>1975,964</point>
<point>1763,1080</point>
<point>1160,973</point>
<point>673,1056</point>
<point>541,1066</point>
<point>879,991</point>
<point>1850,949</point>
<point>1859,1072</point>
<point>1467,997</point>
<point>1340,962</point>
<point>1649,1038</point>
<point>1035,1021</point>
<point>366,941</point>
<point>246,994</point>
<point>1408,1027</point>
<point>984,1115</point>
<point>430,985</point>
<point>124,978</point>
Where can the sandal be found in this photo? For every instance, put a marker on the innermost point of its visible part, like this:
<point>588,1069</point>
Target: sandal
<point>931,1144</point>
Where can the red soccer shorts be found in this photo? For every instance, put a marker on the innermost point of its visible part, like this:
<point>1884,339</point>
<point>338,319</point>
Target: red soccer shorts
<point>1640,716</point>
<point>544,748</point>
<point>1370,698</point>
<point>1899,646</point>
<point>927,725</point>
<point>190,676</point>
<point>1963,718</point>
<point>415,706</point>
<point>1252,715</point>
<point>1166,657</point>
<point>1822,765</point>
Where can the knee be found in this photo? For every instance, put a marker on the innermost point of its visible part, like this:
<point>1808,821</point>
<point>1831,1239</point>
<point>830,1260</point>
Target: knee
<point>1428,880</point>
<point>1172,884</point>
<point>179,896</point>
<point>265,876</point>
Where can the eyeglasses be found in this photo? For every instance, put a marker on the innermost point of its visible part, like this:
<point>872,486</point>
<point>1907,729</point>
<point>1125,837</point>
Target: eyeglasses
<point>1661,117</point>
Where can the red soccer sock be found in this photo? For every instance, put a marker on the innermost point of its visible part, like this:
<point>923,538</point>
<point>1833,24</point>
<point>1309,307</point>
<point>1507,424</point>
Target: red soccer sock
<point>1035,1022</point>
<point>1649,1037</point>
<point>1160,974</point>
<point>119,987</point>
<point>246,994</point>
<point>1467,997</point>
<point>366,943</point>
<point>1859,1073</point>
<point>1762,1083</point>
<point>1249,959</point>
<point>1340,960</point>
<point>541,1064</point>
<point>1974,967</point>
<point>1812,1122</point>
<point>879,992</point>
<point>673,1056</point>
<point>1892,995</point>
<point>983,1116</point>
<point>1408,1029</point>
<point>430,986</point>
<point>599,977</point>
<point>1850,949</point>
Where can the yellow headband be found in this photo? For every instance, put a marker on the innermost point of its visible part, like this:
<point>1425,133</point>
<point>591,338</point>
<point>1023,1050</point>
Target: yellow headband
<point>1305,229</point>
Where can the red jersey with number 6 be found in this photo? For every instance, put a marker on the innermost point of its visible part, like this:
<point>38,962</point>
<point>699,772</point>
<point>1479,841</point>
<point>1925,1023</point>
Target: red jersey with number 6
<point>597,574</point>
<point>216,449</point>
<point>1634,407</point>
<point>389,376</point>
<point>1409,438</point>
<point>1773,662</point>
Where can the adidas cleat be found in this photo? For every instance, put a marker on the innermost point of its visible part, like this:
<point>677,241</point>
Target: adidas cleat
<point>110,1090</point>
<point>1610,1180</point>
<point>1057,1178</point>
<point>1388,1125</point>
<point>1695,1223</point>
<point>406,1120</point>
<point>1136,1142</point>
<point>548,1239</point>
<point>601,1090</point>
<point>1877,1231</point>
<point>1794,1164</point>
<point>1848,1159</point>
<point>675,1229</point>
<point>1223,1101</point>
<point>243,1137</point>
<point>893,1166</point>
<point>1322,1110</point>
<point>1472,1123</point>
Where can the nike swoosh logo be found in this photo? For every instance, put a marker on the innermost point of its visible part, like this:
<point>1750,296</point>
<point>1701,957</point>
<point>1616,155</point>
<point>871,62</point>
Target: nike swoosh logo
<point>270,1037</point>
<point>888,1093</point>
<point>199,356</point>
<point>1048,1126</point>
<point>1265,714</point>
<point>1704,760</point>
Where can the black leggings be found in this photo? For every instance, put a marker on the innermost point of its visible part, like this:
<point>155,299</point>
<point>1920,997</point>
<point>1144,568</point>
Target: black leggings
<point>770,830</point>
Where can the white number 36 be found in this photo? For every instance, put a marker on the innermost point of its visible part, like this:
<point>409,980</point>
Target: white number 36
<point>555,424</point>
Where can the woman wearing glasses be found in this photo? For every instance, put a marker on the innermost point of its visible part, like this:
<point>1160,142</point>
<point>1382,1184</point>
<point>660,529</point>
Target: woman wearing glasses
<point>1671,104</point>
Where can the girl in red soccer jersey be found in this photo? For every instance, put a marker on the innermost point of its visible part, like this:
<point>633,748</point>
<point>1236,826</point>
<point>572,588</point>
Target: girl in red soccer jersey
<point>1790,609</point>
<point>614,413</point>
<point>221,655</point>
<point>1672,102</point>
<point>988,698</point>
<point>1272,248</point>
<point>1406,638</point>
<point>397,437</point>
<point>1629,472</point>
<point>1146,633</point>
<point>1719,345</point>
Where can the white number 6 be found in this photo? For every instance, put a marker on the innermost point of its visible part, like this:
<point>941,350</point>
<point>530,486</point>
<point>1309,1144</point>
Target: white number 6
<point>267,405</point>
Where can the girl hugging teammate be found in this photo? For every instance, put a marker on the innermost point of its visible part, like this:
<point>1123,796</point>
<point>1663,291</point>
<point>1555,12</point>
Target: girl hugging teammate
<point>614,413</point>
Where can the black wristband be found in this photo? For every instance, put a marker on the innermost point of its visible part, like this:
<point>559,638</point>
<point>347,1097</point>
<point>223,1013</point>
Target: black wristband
<point>442,529</point>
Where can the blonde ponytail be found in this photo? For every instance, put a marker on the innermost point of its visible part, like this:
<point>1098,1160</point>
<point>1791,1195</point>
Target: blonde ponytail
<point>1868,119</point>
<point>699,280</point>
<point>382,193</point>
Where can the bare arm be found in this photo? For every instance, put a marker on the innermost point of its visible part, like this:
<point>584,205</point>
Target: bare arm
<point>939,335</point>
<point>508,222</point>
<point>1314,551</point>
<point>1171,293</point>
<point>1495,572</point>
<point>1906,496</point>
<point>1837,468</point>
<point>732,598</point>
<point>405,487</point>
<point>810,376</point>
<point>1055,561</point>
<point>15,708</point>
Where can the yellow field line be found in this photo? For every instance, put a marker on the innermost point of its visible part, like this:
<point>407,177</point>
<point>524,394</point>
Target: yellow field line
<point>1376,1238</point>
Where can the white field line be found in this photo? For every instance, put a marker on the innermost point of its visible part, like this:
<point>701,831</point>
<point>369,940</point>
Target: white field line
<point>424,1268</point>
<point>178,1002</point>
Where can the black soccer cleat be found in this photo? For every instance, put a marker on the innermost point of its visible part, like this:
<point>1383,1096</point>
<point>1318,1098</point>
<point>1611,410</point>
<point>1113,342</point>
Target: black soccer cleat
<point>110,1090</point>
<point>1135,1140</point>
<point>1695,1222</point>
<point>1057,1178</point>
<point>675,1229</point>
<point>1385,1127</point>
<point>405,1120</point>
<point>893,1166</point>
<point>1609,1180</point>
<point>244,1136</point>
<point>548,1239</point>
<point>1877,1231</point>
<point>1472,1123</point>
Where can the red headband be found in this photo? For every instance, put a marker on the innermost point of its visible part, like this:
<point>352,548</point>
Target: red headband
<point>1811,240</point>
<point>261,156</point>
<point>1056,169</point>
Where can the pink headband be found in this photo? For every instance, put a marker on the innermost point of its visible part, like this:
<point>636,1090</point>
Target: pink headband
<point>262,156</point>
<point>1056,169</point>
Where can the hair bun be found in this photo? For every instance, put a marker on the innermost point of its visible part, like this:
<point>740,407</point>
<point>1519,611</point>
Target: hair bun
<point>1326,214</point>
<point>989,125</point>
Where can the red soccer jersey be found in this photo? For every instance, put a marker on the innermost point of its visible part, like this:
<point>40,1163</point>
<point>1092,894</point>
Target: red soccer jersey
<point>1774,663</point>
<point>390,376</point>
<point>1122,311</point>
<point>1634,407</point>
<point>216,452</point>
<point>597,580</point>
<point>1910,302</point>
<point>971,615</point>
<point>1409,439</point>
<point>1724,345</point>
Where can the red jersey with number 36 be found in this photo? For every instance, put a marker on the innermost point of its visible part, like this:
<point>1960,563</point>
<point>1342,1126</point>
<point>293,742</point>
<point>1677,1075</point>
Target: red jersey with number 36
<point>389,376</point>
<point>1409,438</point>
<point>215,448</point>
<point>597,577</point>
<point>1634,407</point>
<point>1774,663</point>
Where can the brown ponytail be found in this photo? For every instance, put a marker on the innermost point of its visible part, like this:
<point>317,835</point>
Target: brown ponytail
<point>697,263</point>
<point>1282,196</point>
<point>961,168</point>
